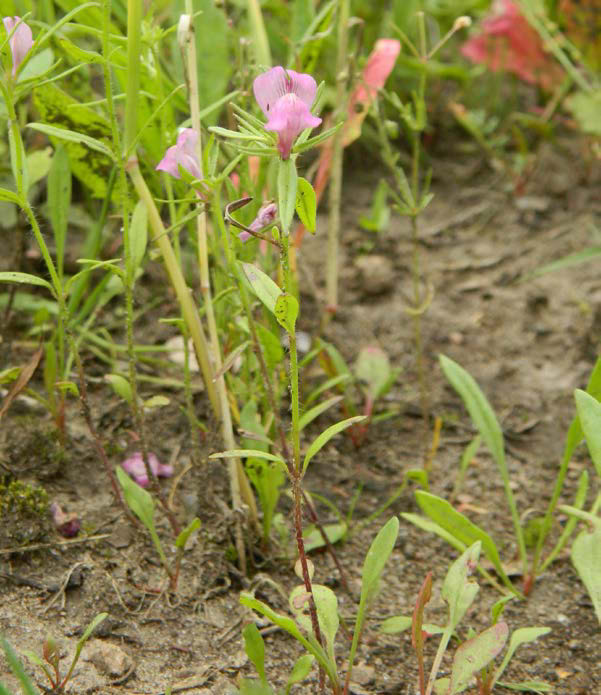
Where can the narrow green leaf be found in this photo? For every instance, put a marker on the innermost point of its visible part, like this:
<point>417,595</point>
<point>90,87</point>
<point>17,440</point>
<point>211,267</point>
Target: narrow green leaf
<point>262,285</point>
<point>527,687</point>
<point>59,201</point>
<point>478,407</point>
<point>301,669</point>
<point>138,499</point>
<point>94,623</point>
<point>306,204</point>
<point>287,186</point>
<point>17,668</point>
<point>72,136</point>
<point>10,196</point>
<point>254,646</point>
<point>458,525</point>
<point>318,443</point>
<point>520,636</point>
<point>182,539</point>
<point>377,557</point>
<point>138,238</point>
<point>314,540</point>
<point>316,411</point>
<point>458,590</point>
<point>247,453</point>
<point>25,279</point>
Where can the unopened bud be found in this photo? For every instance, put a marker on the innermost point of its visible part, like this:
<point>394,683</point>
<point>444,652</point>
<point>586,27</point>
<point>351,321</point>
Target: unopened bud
<point>462,22</point>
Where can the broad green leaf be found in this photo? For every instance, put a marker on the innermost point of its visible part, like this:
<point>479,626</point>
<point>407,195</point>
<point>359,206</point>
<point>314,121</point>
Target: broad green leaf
<point>138,238</point>
<point>300,670</point>
<point>316,411</point>
<point>520,636</point>
<point>286,311</point>
<point>38,165</point>
<point>318,443</point>
<point>287,186</point>
<point>247,453</point>
<point>262,285</point>
<point>313,539</point>
<point>306,204</point>
<point>586,556</point>
<point>476,653</point>
<point>458,590</point>
<point>271,346</point>
<point>585,107</point>
<point>254,646</point>
<point>59,201</point>
<point>431,527</point>
<point>251,686</point>
<point>589,412</point>
<point>212,35</point>
<point>374,372</point>
<point>25,279</point>
<point>458,525</point>
<point>182,538</point>
<point>326,605</point>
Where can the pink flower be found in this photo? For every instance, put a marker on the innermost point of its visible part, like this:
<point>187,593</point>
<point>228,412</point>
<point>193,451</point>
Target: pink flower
<point>134,465</point>
<point>68,525</point>
<point>508,42</point>
<point>285,97</point>
<point>20,42</point>
<point>265,216</point>
<point>182,154</point>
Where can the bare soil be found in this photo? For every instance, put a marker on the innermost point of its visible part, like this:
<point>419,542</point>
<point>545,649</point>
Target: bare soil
<point>528,343</point>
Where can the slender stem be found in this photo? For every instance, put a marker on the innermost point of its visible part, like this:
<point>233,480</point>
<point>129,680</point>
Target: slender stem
<point>237,476</point>
<point>335,190</point>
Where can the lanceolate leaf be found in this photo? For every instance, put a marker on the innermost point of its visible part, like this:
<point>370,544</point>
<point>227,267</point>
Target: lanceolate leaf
<point>262,285</point>
<point>326,435</point>
<point>459,526</point>
<point>26,279</point>
<point>476,653</point>
<point>72,136</point>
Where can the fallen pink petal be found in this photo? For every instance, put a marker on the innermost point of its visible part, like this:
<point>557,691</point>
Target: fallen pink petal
<point>134,466</point>
<point>286,97</point>
<point>20,42</point>
<point>68,525</point>
<point>184,154</point>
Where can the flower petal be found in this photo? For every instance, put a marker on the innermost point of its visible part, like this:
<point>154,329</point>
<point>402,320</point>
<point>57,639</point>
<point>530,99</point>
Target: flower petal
<point>304,86</point>
<point>269,87</point>
<point>134,465</point>
<point>20,42</point>
<point>183,153</point>
<point>288,118</point>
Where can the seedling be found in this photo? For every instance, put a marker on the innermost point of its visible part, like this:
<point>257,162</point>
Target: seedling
<point>475,655</point>
<point>454,527</point>
<point>50,660</point>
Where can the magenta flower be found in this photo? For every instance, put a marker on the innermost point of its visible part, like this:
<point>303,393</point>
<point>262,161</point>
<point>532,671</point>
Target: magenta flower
<point>134,465</point>
<point>508,42</point>
<point>68,525</point>
<point>286,97</point>
<point>182,154</point>
<point>265,216</point>
<point>21,41</point>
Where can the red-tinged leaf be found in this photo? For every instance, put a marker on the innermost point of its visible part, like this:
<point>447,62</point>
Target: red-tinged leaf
<point>425,593</point>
